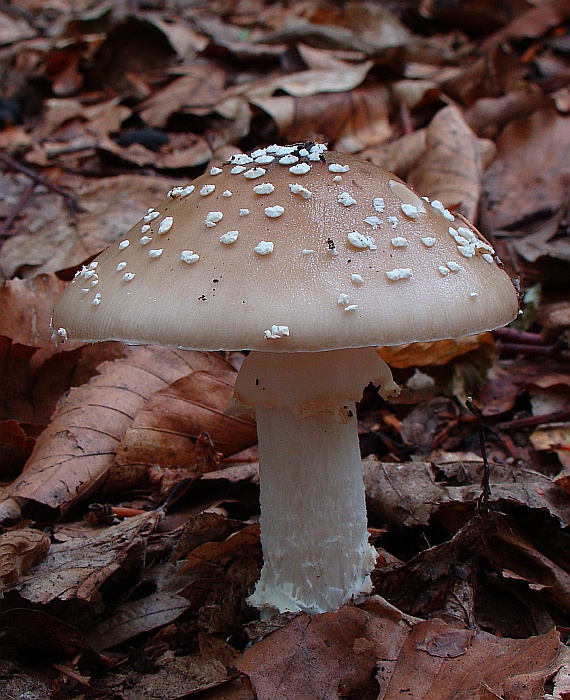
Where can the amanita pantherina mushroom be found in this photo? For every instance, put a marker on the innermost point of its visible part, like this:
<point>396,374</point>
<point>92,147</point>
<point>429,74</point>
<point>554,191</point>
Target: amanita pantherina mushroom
<point>309,259</point>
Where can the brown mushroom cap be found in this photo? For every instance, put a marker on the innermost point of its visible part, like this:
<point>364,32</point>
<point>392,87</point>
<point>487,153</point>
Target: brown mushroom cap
<point>296,250</point>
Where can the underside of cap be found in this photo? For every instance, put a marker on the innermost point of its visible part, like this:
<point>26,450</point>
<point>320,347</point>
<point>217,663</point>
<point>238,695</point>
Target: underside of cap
<point>291,250</point>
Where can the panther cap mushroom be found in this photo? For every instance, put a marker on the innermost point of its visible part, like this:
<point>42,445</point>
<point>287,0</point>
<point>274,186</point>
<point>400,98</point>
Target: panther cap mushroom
<point>309,258</point>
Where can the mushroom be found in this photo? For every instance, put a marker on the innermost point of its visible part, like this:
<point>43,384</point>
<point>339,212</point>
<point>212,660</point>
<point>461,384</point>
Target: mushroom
<point>309,259</point>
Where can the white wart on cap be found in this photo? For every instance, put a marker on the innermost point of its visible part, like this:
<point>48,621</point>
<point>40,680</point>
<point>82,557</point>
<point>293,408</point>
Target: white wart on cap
<point>293,248</point>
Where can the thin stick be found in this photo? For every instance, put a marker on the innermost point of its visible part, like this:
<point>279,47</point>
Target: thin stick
<point>483,500</point>
<point>17,210</point>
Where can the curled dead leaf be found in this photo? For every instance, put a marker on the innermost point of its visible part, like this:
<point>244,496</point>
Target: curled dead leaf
<point>19,551</point>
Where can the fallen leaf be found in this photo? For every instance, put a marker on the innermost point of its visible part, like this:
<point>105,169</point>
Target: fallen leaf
<point>438,352</point>
<point>19,551</point>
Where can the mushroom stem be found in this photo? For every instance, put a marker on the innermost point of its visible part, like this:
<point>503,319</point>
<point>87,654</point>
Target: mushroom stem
<point>313,512</point>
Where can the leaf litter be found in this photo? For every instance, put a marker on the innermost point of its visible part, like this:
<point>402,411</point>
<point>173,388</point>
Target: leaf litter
<point>130,499</point>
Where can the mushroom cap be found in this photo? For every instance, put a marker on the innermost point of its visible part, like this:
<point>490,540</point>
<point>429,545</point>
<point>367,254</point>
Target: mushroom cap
<point>291,249</point>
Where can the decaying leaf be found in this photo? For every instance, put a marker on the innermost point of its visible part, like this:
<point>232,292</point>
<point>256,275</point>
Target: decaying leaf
<point>438,352</point>
<point>73,456</point>
<point>19,551</point>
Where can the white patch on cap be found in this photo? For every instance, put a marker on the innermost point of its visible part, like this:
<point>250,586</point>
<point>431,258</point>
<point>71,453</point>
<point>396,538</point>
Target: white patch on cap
<point>165,224</point>
<point>237,169</point>
<point>155,252</point>
<point>205,190</point>
<point>443,270</point>
<point>145,240</point>
<point>189,256</point>
<point>307,251</point>
<point>145,228</point>
<point>215,171</point>
<point>254,173</point>
<point>121,266</point>
<point>227,193</point>
<point>338,168</point>
<point>243,212</point>
<point>229,237</point>
<point>212,218</point>
<point>84,290</point>
<point>393,221</point>
<point>240,159</point>
<point>399,273</point>
<point>453,266</point>
<point>264,247</point>
<point>473,295</point>
<point>359,240</point>
<point>346,199</point>
<point>258,153</point>
<point>274,212</point>
<point>373,221</point>
<point>97,299</point>
<point>264,188</point>
<point>351,307</point>
<point>124,244</point>
<point>343,300</point>
<point>93,265</point>
<point>488,258</point>
<point>300,169</point>
<point>62,333</point>
<point>409,210</point>
<point>356,279</point>
<point>276,332</point>
<point>280,150</point>
<point>438,206</point>
<point>289,159</point>
<point>299,189</point>
<point>265,159</point>
<point>128,276</point>
<point>399,242</point>
<point>378,204</point>
<point>428,241</point>
<point>151,216</point>
<point>337,178</point>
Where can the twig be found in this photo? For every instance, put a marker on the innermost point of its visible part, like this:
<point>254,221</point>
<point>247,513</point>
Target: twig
<point>531,421</point>
<point>17,210</point>
<point>40,180</point>
<point>483,500</point>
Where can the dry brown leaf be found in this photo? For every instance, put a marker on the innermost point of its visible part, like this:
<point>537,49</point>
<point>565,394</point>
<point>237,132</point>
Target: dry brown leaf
<point>398,156</point>
<point>439,352</point>
<point>167,431</point>
<point>50,238</point>
<point>74,454</point>
<point>219,551</point>
<point>354,120</point>
<point>77,567</point>
<point>529,174</point>
<point>15,448</point>
<point>451,168</point>
<point>408,494</point>
<point>19,551</point>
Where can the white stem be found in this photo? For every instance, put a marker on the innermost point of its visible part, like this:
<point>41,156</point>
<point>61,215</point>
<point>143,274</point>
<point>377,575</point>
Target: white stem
<point>313,514</point>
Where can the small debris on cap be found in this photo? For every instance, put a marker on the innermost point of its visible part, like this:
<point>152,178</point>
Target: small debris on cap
<point>337,178</point>
<point>488,258</point>
<point>165,225</point>
<point>144,240</point>
<point>264,188</point>
<point>454,267</point>
<point>243,212</point>
<point>124,244</point>
<point>264,247</point>
<point>307,251</point>
<point>229,237</point>
<point>343,300</point>
<point>438,206</point>
<point>289,159</point>
<point>215,171</point>
<point>189,256</point>
<point>181,191</point>
<point>346,199</point>
<point>399,273</point>
<point>443,270</point>
<point>276,332</point>
<point>399,242</point>
<point>205,190</point>
<point>151,216</point>
<point>240,159</point>
<point>351,307</point>
<point>128,276</point>
<point>121,266</point>
<point>145,228</point>
<point>97,299</point>
<point>265,159</point>
<point>473,295</point>
<point>356,279</point>
<point>237,169</point>
<point>274,212</point>
<point>227,193</point>
<point>373,221</point>
<point>428,241</point>
<point>409,210</point>
<point>155,252</point>
<point>393,221</point>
